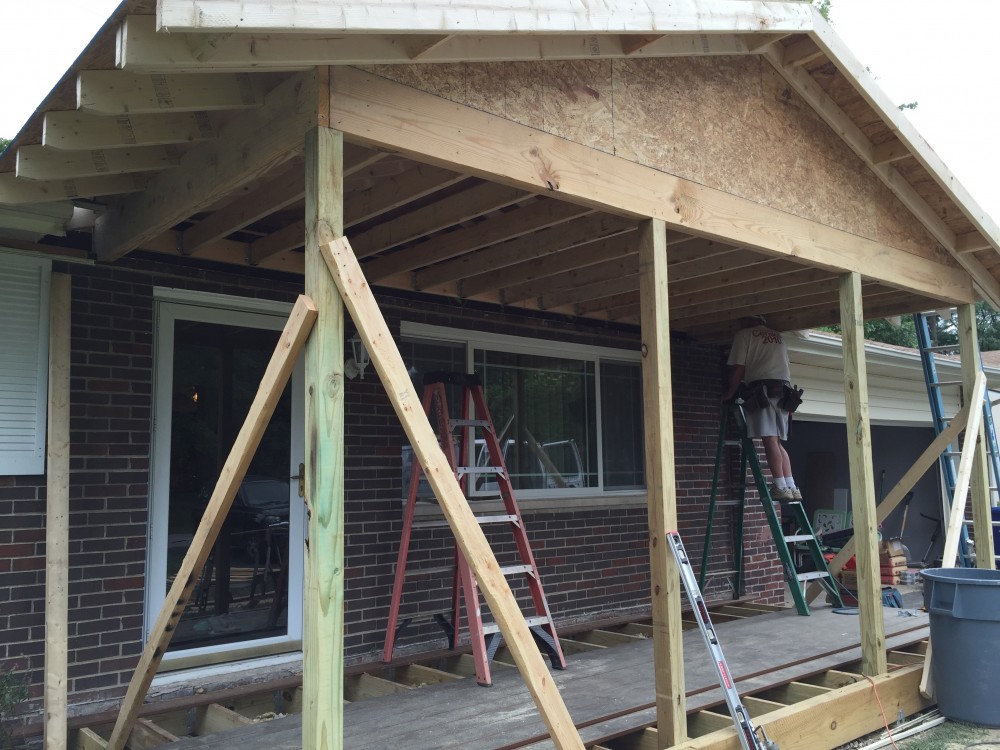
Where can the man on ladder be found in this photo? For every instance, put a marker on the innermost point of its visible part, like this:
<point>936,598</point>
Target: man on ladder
<point>758,361</point>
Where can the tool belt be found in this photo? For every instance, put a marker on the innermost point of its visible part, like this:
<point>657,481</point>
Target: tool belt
<point>758,394</point>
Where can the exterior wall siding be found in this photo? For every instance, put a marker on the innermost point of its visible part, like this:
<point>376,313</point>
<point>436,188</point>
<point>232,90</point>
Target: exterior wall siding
<point>593,561</point>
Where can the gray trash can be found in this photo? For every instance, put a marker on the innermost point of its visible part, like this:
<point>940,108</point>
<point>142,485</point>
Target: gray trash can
<point>964,606</point>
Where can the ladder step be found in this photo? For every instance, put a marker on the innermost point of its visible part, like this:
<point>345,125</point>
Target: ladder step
<point>811,575</point>
<point>495,519</point>
<point>800,538</point>
<point>479,470</point>
<point>510,570</point>
<point>491,627</point>
<point>469,423</point>
<point>945,382</point>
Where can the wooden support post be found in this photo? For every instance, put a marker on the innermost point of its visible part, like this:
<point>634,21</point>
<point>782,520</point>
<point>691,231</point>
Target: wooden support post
<point>323,644</point>
<point>388,363</point>
<point>859,452</point>
<point>671,719</point>
<point>968,340</point>
<point>57,514</point>
<point>273,383</point>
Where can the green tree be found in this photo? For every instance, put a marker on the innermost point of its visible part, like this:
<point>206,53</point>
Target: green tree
<point>4,142</point>
<point>823,6</point>
<point>887,331</point>
<point>987,325</point>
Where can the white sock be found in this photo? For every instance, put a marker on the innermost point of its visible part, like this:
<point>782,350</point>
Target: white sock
<point>790,483</point>
<point>779,482</point>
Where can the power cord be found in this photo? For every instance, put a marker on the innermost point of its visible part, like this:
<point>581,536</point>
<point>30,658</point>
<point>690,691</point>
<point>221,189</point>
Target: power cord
<point>885,720</point>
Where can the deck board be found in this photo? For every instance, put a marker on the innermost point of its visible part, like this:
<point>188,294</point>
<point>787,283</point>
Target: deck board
<point>761,651</point>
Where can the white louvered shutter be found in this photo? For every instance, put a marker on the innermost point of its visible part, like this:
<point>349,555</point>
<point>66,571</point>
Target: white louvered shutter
<point>24,336</point>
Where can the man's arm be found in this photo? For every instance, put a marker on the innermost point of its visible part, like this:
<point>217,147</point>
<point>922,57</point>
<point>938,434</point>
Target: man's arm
<point>736,373</point>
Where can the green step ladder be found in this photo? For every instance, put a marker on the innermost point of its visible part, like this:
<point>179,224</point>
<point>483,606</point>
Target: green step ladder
<point>804,538</point>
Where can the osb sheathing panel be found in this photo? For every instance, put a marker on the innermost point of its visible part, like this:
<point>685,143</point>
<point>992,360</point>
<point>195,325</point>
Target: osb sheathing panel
<point>730,123</point>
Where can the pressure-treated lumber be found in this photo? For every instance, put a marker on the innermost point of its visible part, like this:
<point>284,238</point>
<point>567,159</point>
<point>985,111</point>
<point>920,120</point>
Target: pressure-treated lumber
<point>979,485</point>
<point>831,720</point>
<point>57,514</point>
<point>83,131</point>
<point>377,338</point>
<point>14,191</point>
<point>276,376</point>
<point>247,147</point>
<point>661,492</point>
<point>379,112</point>
<point>116,92</point>
<point>859,454</point>
<point>323,642</point>
<point>444,17</point>
<point>44,163</point>
<point>906,483</point>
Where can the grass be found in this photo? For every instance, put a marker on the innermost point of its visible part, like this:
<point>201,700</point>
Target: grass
<point>947,736</point>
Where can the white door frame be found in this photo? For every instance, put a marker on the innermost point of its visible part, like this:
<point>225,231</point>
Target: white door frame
<point>171,305</point>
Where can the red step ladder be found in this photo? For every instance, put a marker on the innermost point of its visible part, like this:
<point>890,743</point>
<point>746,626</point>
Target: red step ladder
<point>485,637</point>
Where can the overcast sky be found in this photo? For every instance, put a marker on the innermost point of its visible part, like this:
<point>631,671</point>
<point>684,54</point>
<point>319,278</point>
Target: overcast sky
<point>937,54</point>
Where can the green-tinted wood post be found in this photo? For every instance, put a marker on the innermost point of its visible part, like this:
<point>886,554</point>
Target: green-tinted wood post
<point>323,643</point>
<point>57,514</point>
<point>859,453</point>
<point>662,496</point>
<point>968,339</point>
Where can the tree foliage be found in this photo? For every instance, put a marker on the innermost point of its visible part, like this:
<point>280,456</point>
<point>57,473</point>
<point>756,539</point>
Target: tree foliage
<point>943,330</point>
<point>4,142</point>
<point>823,6</point>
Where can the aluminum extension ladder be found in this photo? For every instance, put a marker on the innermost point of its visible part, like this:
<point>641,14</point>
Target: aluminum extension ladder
<point>922,323</point>
<point>804,538</point>
<point>745,730</point>
<point>486,637</point>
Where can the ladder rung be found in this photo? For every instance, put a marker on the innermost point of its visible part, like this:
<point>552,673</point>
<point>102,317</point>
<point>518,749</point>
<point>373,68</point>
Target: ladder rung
<point>945,382</point>
<point>469,423</point>
<point>491,627</point>
<point>800,538</point>
<point>429,571</point>
<point>811,575</point>
<point>479,470</point>
<point>510,570</point>
<point>439,523</point>
<point>495,519</point>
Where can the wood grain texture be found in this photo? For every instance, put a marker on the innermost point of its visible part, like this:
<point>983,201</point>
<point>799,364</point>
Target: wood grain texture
<point>859,454</point>
<point>661,489</point>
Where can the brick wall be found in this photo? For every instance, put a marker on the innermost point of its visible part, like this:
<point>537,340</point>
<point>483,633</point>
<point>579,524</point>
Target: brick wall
<point>591,561</point>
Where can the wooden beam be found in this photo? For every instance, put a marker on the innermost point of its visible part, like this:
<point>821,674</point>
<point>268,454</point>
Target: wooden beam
<point>418,181</point>
<point>256,202</point>
<point>146,735</point>
<point>794,281</point>
<point>276,376</point>
<point>523,249</point>
<point>801,53</point>
<point>142,50</point>
<point>248,147</point>
<point>469,535</point>
<point>525,280</point>
<point>369,109</point>
<point>43,163</point>
<point>323,641</point>
<point>216,718</point>
<point>88,739</point>
<point>634,42</point>
<point>660,482</point>
<point>563,289</point>
<point>968,339</point>
<point>765,268</point>
<point>115,92</point>
<point>594,290</point>
<point>18,192</point>
<point>442,16</point>
<point>889,503</point>
<point>57,514</point>
<point>891,150</point>
<point>797,287</point>
<point>972,242</point>
<point>82,131</point>
<point>829,721</point>
<point>859,454</point>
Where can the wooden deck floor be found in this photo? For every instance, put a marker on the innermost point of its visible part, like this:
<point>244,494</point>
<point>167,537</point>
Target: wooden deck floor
<point>608,692</point>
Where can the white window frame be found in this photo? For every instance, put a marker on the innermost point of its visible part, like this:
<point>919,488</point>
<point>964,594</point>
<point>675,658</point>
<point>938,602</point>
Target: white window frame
<point>545,348</point>
<point>31,461</point>
<point>171,305</point>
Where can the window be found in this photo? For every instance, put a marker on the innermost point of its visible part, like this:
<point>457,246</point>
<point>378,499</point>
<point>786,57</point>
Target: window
<point>24,352</point>
<point>568,416</point>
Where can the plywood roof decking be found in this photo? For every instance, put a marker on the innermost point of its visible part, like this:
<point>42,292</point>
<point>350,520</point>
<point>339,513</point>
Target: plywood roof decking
<point>426,229</point>
<point>597,686</point>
